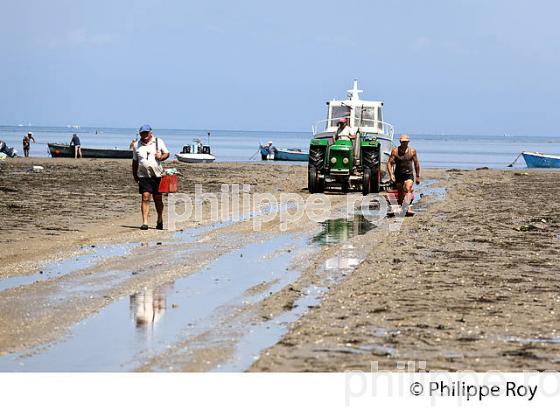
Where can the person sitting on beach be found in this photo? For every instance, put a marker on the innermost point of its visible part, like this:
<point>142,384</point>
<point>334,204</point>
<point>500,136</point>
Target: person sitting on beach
<point>27,143</point>
<point>75,142</point>
<point>147,155</point>
<point>406,163</point>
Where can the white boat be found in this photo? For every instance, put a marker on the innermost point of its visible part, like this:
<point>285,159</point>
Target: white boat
<point>196,153</point>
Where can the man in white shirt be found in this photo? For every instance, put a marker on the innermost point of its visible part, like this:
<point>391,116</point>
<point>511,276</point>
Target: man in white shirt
<point>343,131</point>
<point>147,155</point>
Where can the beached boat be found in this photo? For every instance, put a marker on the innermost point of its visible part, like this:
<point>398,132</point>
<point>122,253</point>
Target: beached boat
<point>6,151</point>
<point>538,160</point>
<point>67,151</point>
<point>270,152</point>
<point>196,153</point>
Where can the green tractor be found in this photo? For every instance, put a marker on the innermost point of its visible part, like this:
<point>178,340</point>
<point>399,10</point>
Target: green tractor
<point>336,162</point>
<point>333,163</point>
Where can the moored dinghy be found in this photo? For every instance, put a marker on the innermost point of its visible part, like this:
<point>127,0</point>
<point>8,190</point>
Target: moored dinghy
<point>196,153</point>
<point>538,160</point>
<point>269,151</point>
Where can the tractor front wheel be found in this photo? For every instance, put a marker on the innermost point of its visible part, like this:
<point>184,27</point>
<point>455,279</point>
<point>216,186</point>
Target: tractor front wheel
<point>314,183</point>
<point>371,180</point>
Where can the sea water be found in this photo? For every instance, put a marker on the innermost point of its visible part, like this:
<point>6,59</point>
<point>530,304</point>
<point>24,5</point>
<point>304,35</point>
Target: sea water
<point>434,151</point>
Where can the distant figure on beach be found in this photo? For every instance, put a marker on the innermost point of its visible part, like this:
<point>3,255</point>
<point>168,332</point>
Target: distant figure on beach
<point>147,155</point>
<point>75,142</point>
<point>27,143</point>
<point>406,163</point>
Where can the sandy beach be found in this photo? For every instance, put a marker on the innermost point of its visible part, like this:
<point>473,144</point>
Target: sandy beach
<point>471,282</point>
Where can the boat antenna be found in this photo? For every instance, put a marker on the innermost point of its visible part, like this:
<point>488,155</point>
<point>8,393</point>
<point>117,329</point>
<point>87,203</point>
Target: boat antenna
<point>208,137</point>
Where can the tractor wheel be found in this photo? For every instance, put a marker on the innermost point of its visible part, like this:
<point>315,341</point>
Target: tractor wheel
<point>375,178</point>
<point>314,184</point>
<point>371,180</point>
<point>366,181</point>
<point>371,169</point>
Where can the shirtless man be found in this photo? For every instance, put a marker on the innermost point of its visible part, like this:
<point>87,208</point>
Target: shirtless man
<point>404,157</point>
<point>27,143</point>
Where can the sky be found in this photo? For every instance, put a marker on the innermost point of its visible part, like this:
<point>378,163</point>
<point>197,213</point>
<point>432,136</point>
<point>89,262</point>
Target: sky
<point>446,66</point>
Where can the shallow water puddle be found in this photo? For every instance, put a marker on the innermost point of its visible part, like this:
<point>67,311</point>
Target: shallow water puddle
<point>341,229</point>
<point>550,340</point>
<point>65,266</point>
<point>126,333</point>
<point>261,336</point>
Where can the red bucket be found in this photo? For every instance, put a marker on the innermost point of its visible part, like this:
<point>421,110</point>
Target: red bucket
<point>168,184</point>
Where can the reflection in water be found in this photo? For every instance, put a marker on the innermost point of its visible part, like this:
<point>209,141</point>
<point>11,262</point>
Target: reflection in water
<point>148,306</point>
<point>344,262</point>
<point>342,229</point>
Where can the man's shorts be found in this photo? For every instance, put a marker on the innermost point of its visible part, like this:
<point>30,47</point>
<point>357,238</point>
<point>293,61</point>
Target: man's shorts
<point>150,185</point>
<point>399,179</point>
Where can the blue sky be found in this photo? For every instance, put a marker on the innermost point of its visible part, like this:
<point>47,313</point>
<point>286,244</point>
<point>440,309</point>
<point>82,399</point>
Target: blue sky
<point>449,66</point>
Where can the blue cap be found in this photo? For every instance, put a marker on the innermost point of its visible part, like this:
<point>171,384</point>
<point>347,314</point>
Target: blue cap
<point>144,128</point>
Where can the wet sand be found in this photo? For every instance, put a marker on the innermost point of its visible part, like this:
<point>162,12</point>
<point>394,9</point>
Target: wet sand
<point>469,283</point>
<point>73,203</point>
<point>472,283</point>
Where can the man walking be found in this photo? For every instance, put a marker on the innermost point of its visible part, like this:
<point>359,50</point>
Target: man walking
<point>147,155</point>
<point>27,143</point>
<point>406,163</point>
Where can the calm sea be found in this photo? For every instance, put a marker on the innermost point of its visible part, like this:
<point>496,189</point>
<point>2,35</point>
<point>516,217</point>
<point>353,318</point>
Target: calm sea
<point>435,151</point>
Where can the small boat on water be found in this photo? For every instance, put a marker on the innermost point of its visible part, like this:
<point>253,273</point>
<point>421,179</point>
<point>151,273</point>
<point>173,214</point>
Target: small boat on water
<point>196,153</point>
<point>538,160</point>
<point>67,151</point>
<point>270,152</point>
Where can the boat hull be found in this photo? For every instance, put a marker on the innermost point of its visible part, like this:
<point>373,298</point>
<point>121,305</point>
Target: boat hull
<point>281,154</point>
<point>195,158</point>
<point>285,155</point>
<point>537,160</point>
<point>67,151</point>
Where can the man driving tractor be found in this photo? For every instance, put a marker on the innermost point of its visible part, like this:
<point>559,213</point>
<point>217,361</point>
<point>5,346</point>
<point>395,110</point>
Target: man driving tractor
<point>406,164</point>
<point>345,132</point>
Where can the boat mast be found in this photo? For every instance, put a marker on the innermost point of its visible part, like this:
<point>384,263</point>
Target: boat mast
<point>354,93</point>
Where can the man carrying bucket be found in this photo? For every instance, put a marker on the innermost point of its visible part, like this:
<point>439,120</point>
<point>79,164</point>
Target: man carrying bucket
<point>147,155</point>
<point>406,163</point>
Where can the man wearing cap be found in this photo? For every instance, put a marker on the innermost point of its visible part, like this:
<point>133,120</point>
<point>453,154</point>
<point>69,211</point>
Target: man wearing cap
<point>147,155</point>
<point>27,143</point>
<point>343,130</point>
<point>406,163</point>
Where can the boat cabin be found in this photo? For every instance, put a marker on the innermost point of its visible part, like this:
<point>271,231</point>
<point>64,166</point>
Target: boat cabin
<point>363,116</point>
<point>196,148</point>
